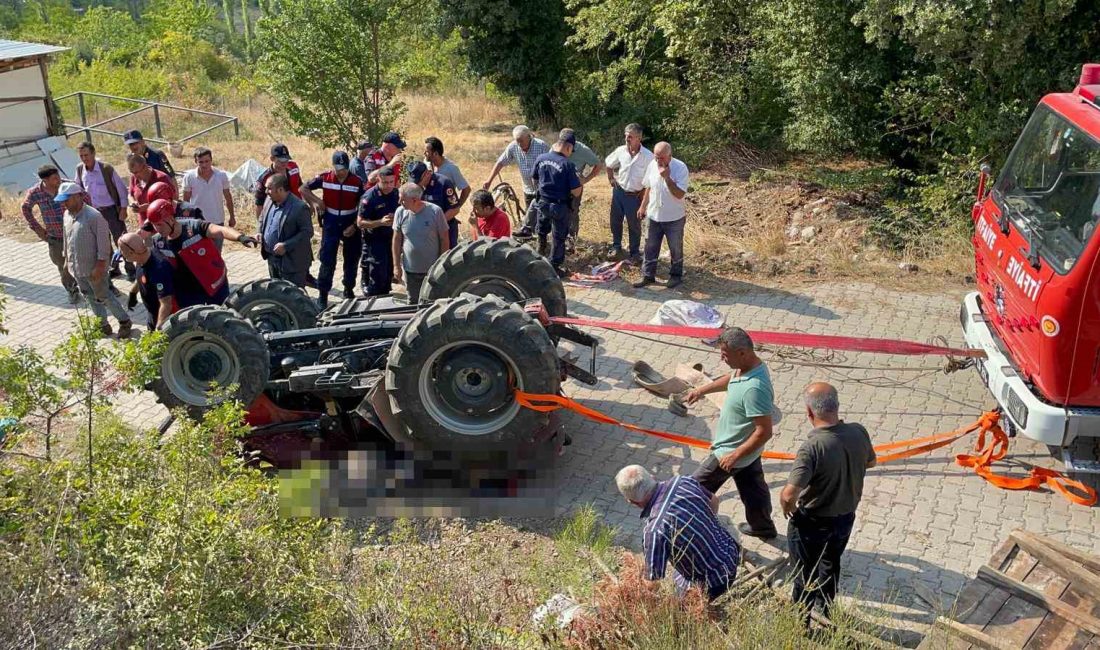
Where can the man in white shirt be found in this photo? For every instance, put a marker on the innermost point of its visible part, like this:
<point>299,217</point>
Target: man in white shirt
<point>207,188</point>
<point>625,170</point>
<point>666,184</point>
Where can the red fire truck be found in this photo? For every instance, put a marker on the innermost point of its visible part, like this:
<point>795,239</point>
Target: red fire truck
<point>1036,312</point>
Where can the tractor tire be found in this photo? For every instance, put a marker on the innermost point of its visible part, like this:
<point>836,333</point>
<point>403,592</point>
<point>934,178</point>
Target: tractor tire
<point>449,375</point>
<point>274,305</point>
<point>498,267</point>
<point>210,345</point>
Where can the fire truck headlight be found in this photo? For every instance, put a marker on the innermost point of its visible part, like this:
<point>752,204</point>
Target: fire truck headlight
<point>1016,407</point>
<point>1050,326</point>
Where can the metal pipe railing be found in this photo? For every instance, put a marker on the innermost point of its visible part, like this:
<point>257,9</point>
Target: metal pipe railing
<point>88,129</point>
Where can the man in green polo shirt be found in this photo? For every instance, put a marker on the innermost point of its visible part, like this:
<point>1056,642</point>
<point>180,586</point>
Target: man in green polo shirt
<point>744,427</point>
<point>588,164</point>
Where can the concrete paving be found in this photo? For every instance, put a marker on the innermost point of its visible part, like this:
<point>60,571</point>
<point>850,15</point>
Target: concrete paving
<point>925,524</point>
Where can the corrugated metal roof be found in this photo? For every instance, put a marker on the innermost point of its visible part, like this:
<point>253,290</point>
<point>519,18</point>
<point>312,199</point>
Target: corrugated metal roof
<point>17,49</point>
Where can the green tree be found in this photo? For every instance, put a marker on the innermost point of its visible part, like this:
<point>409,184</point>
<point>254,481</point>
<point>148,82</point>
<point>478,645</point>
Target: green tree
<point>519,45</point>
<point>339,91</point>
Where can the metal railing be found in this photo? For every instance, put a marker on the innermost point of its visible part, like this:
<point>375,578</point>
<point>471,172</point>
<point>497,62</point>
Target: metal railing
<point>88,129</point>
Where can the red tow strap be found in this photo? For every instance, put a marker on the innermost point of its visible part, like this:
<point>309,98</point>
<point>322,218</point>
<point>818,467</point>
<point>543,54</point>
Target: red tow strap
<point>847,343</point>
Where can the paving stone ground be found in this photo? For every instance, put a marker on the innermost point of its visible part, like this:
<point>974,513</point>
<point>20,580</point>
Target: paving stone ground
<point>925,525</point>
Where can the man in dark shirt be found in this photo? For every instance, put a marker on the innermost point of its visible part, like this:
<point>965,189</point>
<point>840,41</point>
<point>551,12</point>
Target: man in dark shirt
<point>376,213</point>
<point>200,271</point>
<point>439,191</point>
<point>821,495</point>
<point>135,142</point>
<point>155,279</point>
<point>681,527</point>
<point>558,183</point>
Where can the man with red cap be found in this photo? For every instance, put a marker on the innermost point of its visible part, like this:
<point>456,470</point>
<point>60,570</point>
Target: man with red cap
<point>200,269</point>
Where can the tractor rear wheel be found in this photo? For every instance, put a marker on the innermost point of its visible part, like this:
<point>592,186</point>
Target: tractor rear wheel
<point>450,375</point>
<point>497,267</point>
<point>210,346</point>
<point>274,305</point>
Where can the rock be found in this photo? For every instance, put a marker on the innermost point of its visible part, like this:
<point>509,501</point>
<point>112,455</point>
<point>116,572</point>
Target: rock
<point>808,233</point>
<point>796,218</point>
<point>908,267</point>
<point>817,202</point>
<point>793,232</point>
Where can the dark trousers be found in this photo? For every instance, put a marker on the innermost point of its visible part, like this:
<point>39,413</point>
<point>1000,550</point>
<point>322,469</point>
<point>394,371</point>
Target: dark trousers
<point>624,207</point>
<point>279,268</point>
<point>377,263</point>
<point>413,282</point>
<point>332,236</point>
<point>673,233</point>
<point>751,487</point>
<point>118,228</point>
<point>452,232</point>
<point>554,218</point>
<point>815,545</point>
<point>531,219</point>
<point>574,216</point>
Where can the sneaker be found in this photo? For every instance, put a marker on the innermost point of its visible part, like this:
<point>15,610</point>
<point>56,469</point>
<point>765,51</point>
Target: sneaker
<point>645,282</point>
<point>124,329</point>
<point>760,534</point>
<point>673,282</point>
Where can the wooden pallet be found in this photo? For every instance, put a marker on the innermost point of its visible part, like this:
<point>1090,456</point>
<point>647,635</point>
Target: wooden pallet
<point>1034,593</point>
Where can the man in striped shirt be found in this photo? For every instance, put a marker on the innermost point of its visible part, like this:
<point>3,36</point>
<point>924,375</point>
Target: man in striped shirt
<point>682,527</point>
<point>524,150</point>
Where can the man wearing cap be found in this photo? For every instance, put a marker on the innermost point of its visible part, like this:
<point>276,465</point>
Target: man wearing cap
<point>390,155</point>
<point>588,164</point>
<point>207,188</point>
<point>376,216</point>
<point>142,177</point>
<point>359,163</point>
<point>439,191</point>
<point>557,182</point>
<point>87,251</point>
<point>419,238</point>
<point>626,167</point>
<point>445,167</point>
<point>188,243</point>
<point>108,194</point>
<point>286,233</point>
<point>157,160</point>
<point>523,151</point>
<point>52,227</point>
<point>155,283</point>
<point>280,164</point>
<point>336,212</point>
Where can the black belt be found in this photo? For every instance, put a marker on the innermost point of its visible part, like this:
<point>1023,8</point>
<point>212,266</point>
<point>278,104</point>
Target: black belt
<point>635,193</point>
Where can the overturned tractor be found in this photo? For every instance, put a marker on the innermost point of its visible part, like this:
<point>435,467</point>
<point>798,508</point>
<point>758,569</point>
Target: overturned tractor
<point>439,375</point>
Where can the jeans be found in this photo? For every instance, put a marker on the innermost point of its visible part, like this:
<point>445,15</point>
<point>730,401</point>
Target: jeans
<point>117,227</point>
<point>673,233</point>
<point>413,282</point>
<point>554,218</point>
<point>332,236</point>
<point>815,545</point>
<point>751,487</point>
<point>57,256</point>
<point>100,299</point>
<point>531,219</point>
<point>624,207</point>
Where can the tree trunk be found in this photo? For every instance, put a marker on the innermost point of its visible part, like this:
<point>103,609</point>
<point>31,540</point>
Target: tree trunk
<point>246,25</point>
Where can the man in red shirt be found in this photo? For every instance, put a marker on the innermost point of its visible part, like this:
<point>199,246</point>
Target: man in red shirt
<point>487,219</point>
<point>142,177</point>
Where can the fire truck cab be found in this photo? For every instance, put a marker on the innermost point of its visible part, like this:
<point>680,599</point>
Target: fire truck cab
<point>1036,312</point>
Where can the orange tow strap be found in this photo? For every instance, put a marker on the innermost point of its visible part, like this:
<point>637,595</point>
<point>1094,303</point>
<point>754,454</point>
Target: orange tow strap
<point>1074,491</point>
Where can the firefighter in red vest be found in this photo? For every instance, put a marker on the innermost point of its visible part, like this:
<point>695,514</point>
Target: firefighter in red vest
<point>200,270</point>
<point>336,212</point>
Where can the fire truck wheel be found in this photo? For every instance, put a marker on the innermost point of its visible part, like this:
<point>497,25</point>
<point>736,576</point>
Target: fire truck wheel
<point>450,375</point>
<point>210,346</point>
<point>499,267</point>
<point>274,305</point>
